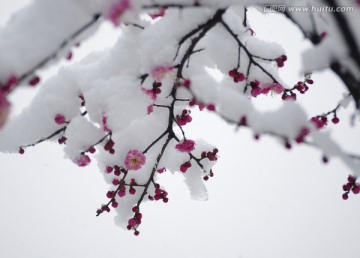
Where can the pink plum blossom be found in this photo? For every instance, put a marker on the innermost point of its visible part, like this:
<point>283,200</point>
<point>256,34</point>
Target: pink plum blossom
<point>134,160</point>
<point>83,160</point>
<point>150,93</point>
<point>150,109</point>
<point>186,146</point>
<point>255,88</point>
<point>156,90</point>
<point>159,72</point>
<point>273,88</point>
<point>256,91</point>
<point>117,10</point>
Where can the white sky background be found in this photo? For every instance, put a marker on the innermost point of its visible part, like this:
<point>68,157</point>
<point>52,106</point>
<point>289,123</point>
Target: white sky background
<point>264,201</point>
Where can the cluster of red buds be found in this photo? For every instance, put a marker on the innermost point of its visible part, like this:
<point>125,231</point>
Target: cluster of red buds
<point>352,186</point>
<point>238,77</point>
<point>184,117</point>
<point>109,146</point>
<point>301,86</point>
<point>160,194</point>
<point>135,221</point>
<point>206,177</point>
<point>211,155</point>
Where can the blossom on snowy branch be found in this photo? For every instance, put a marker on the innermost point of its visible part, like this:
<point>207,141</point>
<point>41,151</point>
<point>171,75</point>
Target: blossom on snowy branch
<point>131,103</point>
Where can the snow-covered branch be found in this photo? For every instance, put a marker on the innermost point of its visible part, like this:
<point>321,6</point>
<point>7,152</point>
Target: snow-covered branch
<point>131,103</point>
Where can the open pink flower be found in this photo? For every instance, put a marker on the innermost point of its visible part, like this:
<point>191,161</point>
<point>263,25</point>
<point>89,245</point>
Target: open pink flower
<point>256,91</point>
<point>134,160</point>
<point>150,93</point>
<point>117,10</point>
<point>255,88</point>
<point>150,109</point>
<point>186,146</point>
<point>159,72</point>
<point>156,90</point>
<point>273,88</point>
<point>83,160</point>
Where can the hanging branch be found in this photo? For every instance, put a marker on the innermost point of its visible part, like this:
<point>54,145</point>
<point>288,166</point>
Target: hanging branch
<point>252,61</point>
<point>350,81</point>
<point>169,132</point>
<point>54,54</point>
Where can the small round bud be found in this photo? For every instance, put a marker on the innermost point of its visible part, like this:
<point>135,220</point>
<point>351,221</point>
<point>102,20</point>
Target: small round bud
<point>135,209</point>
<point>59,119</point>
<point>356,189</point>
<point>34,81</point>
<point>114,204</point>
<point>335,120</point>
<point>325,159</point>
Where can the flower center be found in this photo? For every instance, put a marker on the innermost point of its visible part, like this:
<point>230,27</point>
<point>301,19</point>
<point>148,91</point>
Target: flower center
<point>134,160</point>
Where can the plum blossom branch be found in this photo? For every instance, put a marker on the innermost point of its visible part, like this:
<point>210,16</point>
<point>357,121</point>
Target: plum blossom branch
<point>151,178</point>
<point>120,172</point>
<point>349,79</point>
<point>181,129</point>
<point>120,190</point>
<point>60,120</point>
<point>155,141</point>
<point>102,139</point>
<point>252,61</point>
<point>202,30</point>
<point>63,45</point>
<point>346,33</point>
<point>171,5</point>
<point>242,122</point>
<point>57,132</point>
